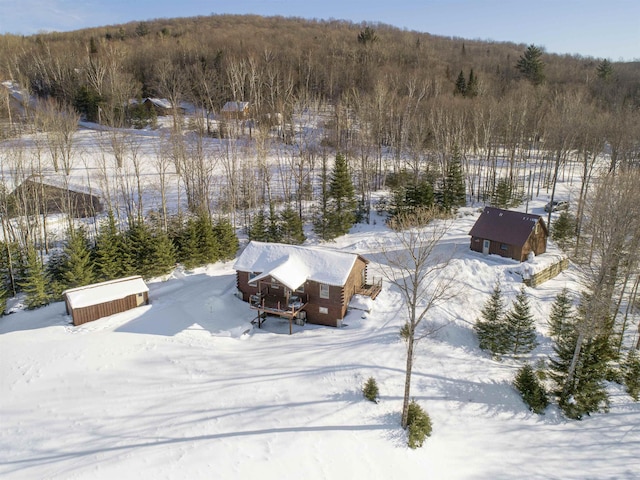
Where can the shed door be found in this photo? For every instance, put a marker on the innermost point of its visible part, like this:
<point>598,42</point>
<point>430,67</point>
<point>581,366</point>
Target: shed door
<point>485,246</point>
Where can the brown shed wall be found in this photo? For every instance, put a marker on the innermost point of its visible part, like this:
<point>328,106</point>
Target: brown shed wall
<point>94,312</point>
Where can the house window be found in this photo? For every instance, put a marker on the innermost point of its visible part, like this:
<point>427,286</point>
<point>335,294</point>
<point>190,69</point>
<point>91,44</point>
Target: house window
<point>252,275</point>
<point>504,247</point>
<point>275,286</point>
<point>300,289</point>
<point>324,310</point>
<point>324,290</point>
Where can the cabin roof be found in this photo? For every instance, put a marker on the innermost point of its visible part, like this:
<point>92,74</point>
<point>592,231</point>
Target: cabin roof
<point>235,106</point>
<point>292,265</point>
<point>505,226</point>
<point>98,293</point>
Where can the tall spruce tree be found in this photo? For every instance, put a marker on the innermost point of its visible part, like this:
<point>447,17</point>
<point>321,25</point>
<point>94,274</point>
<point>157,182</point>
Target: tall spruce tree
<point>520,325</point>
<point>631,373</point>
<point>452,193</point>
<point>342,213</point>
<point>4,295</point>
<point>227,239</point>
<point>163,256</point>
<point>35,281</point>
<point>531,66</point>
<point>111,255</point>
<point>258,229</point>
<point>291,228</point>
<point>472,85</point>
<point>77,264</point>
<point>461,85</point>
<point>208,247</point>
<point>561,321</point>
<point>492,329</point>
<point>187,241</point>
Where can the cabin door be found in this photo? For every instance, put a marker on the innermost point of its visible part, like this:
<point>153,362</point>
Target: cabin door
<point>485,246</point>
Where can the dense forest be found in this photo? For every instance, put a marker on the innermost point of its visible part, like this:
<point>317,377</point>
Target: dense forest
<point>337,112</point>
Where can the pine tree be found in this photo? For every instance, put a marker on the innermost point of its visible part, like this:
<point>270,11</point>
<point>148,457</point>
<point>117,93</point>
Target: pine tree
<point>343,200</point>
<point>208,248</point>
<point>563,228</point>
<point>472,85</point>
<point>291,227</point>
<point>631,374</point>
<point>561,319</point>
<point>604,70</point>
<point>273,227</point>
<point>461,85</point>
<point>34,283</point>
<point>491,330</point>
<point>503,194</point>
<point>520,325</point>
<point>531,66</point>
<point>321,213</point>
<point>258,229</point>
<point>77,264</point>
<point>188,245</point>
<point>452,193</point>
<point>227,239</point>
<point>532,391</point>
<point>163,256</point>
<point>4,295</point>
<point>111,254</point>
<point>140,244</point>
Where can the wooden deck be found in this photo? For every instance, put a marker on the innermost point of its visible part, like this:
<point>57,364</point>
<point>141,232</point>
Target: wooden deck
<point>278,306</point>
<point>371,289</point>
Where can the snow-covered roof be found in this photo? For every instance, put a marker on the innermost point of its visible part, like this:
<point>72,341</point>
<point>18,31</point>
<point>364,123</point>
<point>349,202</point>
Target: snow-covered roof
<point>235,106</point>
<point>98,293</point>
<point>159,102</point>
<point>292,265</point>
<point>59,182</point>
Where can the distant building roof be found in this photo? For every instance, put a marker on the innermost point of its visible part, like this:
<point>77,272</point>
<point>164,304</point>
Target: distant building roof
<point>235,106</point>
<point>58,181</point>
<point>98,293</point>
<point>292,265</point>
<point>505,226</point>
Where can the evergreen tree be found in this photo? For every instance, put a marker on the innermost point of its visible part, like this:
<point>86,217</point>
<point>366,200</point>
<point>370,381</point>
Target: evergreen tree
<point>504,195</point>
<point>520,326</point>
<point>258,229</point>
<point>77,264</point>
<point>532,391</point>
<point>563,228</point>
<point>208,248</point>
<point>472,85</point>
<point>35,281</point>
<point>491,330</point>
<point>561,320</point>
<point>631,374</point>
<point>111,254</point>
<point>188,248</point>
<point>531,66</point>
<point>452,193</point>
<point>141,248</point>
<point>273,226</point>
<point>604,70</point>
<point>227,239</point>
<point>163,256</point>
<point>291,227</point>
<point>321,213</point>
<point>343,200</point>
<point>461,85</point>
<point>4,295</point>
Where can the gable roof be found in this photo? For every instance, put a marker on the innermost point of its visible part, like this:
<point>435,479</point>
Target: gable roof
<point>292,265</point>
<point>506,226</point>
<point>98,293</point>
<point>60,183</point>
<point>235,106</point>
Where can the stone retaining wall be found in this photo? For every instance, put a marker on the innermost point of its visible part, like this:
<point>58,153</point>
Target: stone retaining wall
<point>547,274</point>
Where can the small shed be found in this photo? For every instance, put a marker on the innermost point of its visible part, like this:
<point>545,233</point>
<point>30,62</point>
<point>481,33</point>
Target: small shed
<point>235,110</point>
<point>40,195</point>
<point>91,302</point>
<point>509,234</point>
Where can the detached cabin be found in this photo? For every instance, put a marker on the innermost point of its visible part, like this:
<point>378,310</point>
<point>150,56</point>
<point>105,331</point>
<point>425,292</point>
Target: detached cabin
<point>235,110</point>
<point>40,195</point>
<point>91,302</point>
<point>509,234</point>
<point>301,282</point>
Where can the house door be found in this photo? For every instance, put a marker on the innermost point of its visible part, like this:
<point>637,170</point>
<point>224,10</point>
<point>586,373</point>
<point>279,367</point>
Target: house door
<point>485,246</point>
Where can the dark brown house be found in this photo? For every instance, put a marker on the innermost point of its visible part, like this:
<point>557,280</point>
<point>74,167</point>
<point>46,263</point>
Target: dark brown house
<point>509,234</point>
<point>301,282</point>
<point>91,302</point>
<point>40,195</point>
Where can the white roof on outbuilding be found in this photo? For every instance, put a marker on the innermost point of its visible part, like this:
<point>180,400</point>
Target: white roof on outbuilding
<point>98,293</point>
<point>292,265</point>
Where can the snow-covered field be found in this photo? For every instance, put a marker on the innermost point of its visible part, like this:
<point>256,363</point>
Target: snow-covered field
<point>187,388</point>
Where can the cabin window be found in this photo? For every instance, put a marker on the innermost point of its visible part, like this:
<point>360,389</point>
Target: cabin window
<point>300,289</point>
<point>275,286</point>
<point>139,295</point>
<point>252,275</point>
<point>504,247</point>
<point>324,310</point>
<point>324,290</point>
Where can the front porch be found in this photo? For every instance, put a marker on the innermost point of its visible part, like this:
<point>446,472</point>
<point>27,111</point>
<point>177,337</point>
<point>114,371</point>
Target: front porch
<point>286,305</point>
<point>370,289</point>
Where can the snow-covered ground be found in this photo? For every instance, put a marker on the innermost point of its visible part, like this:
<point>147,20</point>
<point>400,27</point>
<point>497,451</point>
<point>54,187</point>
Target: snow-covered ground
<point>187,388</point>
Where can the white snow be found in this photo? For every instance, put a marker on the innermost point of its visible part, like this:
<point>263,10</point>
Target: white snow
<point>186,387</point>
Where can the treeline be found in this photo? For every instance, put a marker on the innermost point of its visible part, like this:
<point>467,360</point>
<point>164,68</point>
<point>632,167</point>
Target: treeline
<point>142,248</point>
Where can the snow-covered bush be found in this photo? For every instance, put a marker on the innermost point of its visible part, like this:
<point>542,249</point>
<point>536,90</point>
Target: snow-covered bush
<point>418,424</point>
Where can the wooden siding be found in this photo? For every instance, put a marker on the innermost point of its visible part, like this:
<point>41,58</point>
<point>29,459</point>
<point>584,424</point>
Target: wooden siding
<point>94,312</point>
<point>336,304</point>
<point>537,242</point>
<point>39,198</point>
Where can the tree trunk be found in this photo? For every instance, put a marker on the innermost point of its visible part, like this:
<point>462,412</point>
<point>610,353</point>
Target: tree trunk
<point>407,381</point>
